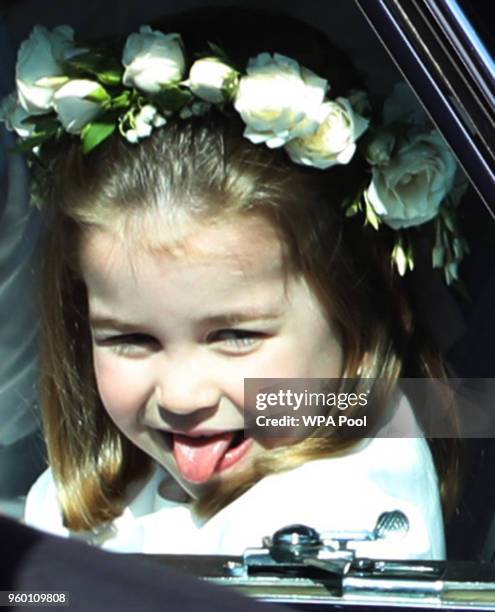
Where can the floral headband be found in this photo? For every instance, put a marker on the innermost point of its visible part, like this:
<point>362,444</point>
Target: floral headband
<point>92,92</point>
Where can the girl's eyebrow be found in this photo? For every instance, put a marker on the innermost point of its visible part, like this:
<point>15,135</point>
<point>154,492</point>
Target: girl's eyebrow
<point>227,318</point>
<point>106,322</point>
<point>232,318</point>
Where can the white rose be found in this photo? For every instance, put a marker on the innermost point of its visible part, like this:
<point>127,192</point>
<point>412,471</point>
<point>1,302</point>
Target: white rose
<point>208,79</point>
<point>153,60</point>
<point>334,142</point>
<point>380,148</point>
<point>279,100</point>
<point>402,106</point>
<point>39,69</point>
<point>13,115</point>
<point>410,188</point>
<point>78,103</point>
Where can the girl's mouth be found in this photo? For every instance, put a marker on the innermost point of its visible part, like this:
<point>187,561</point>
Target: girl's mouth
<point>199,458</point>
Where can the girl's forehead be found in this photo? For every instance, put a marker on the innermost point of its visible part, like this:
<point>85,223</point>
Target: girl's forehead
<point>215,266</point>
<point>247,241</point>
<point>239,237</point>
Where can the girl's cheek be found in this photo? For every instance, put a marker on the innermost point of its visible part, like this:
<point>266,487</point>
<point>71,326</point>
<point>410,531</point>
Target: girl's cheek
<point>120,387</point>
<point>280,360</point>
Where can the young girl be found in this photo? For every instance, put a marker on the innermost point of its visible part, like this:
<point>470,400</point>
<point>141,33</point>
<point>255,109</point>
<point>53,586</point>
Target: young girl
<point>198,236</point>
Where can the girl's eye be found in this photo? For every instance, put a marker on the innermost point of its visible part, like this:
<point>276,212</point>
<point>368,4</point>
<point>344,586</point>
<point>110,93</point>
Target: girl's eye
<point>129,343</point>
<point>238,339</point>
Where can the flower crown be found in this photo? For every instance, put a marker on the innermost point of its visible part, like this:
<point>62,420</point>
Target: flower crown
<point>92,91</point>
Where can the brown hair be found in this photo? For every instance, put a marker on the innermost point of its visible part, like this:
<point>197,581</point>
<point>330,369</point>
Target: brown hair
<point>206,166</point>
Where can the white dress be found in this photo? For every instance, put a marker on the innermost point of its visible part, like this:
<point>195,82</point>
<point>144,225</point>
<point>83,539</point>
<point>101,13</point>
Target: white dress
<point>345,493</point>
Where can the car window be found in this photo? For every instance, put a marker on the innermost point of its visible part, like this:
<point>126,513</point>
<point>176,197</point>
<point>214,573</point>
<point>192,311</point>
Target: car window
<point>478,14</point>
<point>462,319</point>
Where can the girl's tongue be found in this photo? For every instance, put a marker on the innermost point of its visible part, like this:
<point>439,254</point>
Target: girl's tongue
<point>197,458</point>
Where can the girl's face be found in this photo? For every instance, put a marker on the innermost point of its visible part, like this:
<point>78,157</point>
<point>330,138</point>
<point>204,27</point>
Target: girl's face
<point>176,332</point>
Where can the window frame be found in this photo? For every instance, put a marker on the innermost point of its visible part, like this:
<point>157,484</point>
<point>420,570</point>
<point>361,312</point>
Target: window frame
<point>439,53</point>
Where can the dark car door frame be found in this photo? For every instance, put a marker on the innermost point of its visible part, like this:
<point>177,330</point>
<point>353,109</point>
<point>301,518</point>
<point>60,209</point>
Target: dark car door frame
<point>451,71</point>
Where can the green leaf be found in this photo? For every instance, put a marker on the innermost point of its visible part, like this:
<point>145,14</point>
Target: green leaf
<point>26,146</point>
<point>449,221</point>
<point>38,119</point>
<point>219,52</point>
<point>104,67</point>
<point>353,204</point>
<point>85,63</point>
<point>216,49</point>
<point>458,250</point>
<point>399,258</point>
<point>409,253</point>
<point>121,101</point>
<point>352,210</point>
<point>172,98</point>
<point>110,77</point>
<point>438,257</point>
<point>451,272</point>
<point>95,133</point>
<point>231,86</point>
<point>410,261</point>
<point>100,96</point>
<point>43,123</point>
<point>371,216</point>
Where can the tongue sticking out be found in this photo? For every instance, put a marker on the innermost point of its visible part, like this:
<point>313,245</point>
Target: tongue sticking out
<point>197,458</point>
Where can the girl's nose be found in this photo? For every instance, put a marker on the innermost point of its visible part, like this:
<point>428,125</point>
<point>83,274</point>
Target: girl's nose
<point>186,386</point>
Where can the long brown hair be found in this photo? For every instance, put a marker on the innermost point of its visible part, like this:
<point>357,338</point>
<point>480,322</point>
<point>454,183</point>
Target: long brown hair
<point>197,169</point>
